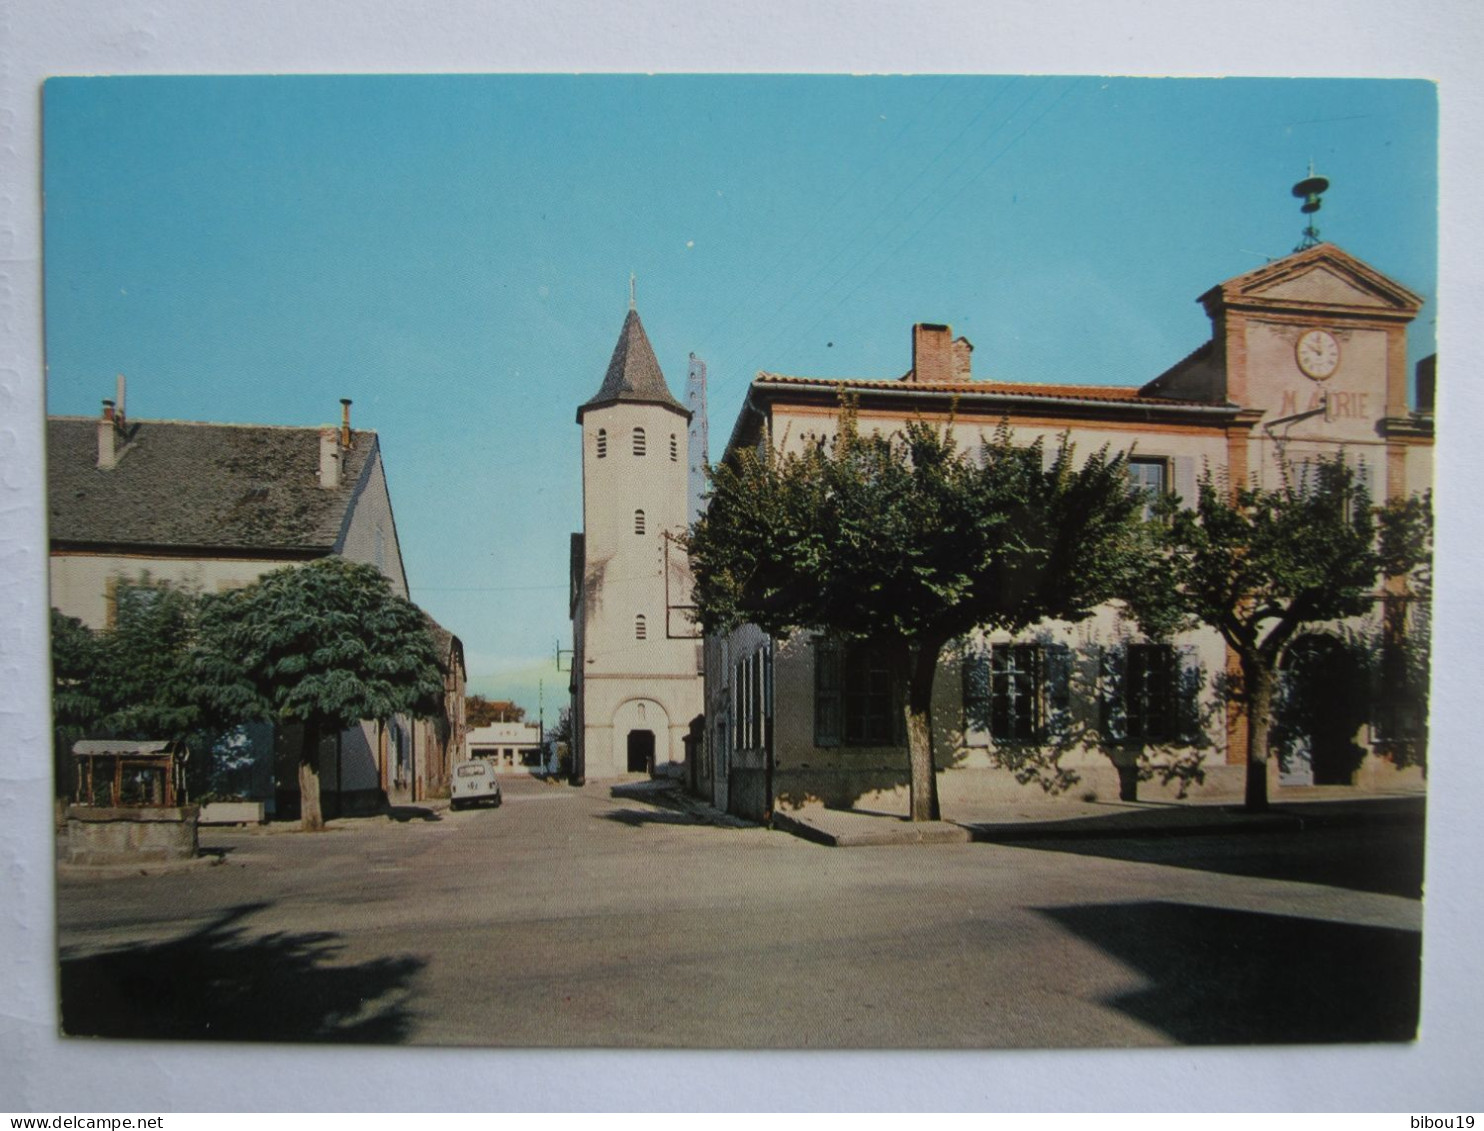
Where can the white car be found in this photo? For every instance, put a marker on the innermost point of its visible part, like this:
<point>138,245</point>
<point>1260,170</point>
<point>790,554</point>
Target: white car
<point>474,782</point>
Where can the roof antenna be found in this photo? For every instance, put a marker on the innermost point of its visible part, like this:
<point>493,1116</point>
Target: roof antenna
<point>1309,190</point>
<point>631,290</point>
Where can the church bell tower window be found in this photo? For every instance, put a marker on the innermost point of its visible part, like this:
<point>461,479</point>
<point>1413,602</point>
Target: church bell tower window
<point>674,449</point>
<point>641,627</point>
<point>638,441</point>
<point>638,522</point>
<point>602,443</point>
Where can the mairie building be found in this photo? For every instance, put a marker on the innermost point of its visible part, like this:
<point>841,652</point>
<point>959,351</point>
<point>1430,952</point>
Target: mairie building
<point>1307,358</point>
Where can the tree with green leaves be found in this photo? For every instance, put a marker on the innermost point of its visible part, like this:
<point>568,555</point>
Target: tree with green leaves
<point>133,679</point>
<point>481,712</point>
<point>906,543</point>
<point>75,706</point>
<point>1258,565</point>
<point>324,645</point>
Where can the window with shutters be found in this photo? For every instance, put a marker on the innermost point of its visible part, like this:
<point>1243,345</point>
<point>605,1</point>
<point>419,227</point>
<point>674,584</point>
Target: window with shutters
<point>602,443</point>
<point>1151,480</point>
<point>638,441</point>
<point>1016,693</point>
<point>641,627</point>
<point>857,699</point>
<point>674,449</point>
<point>1149,692</point>
<point>638,522</point>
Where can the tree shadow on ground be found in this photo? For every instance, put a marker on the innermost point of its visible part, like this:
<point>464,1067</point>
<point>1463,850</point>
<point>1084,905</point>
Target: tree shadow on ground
<point>220,983</point>
<point>1222,977</point>
<point>405,813</point>
<point>637,817</point>
<point>1384,857</point>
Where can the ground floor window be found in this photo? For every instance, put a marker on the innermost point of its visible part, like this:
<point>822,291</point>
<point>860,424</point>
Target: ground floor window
<point>1148,692</point>
<point>1151,694</point>
<point>1016,693</point>
<point>858,701</point>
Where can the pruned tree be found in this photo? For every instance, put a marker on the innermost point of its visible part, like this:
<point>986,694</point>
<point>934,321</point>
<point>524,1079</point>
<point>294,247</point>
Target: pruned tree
<point>907,543</point>
<point>1258,565</point>
<point>324,645</point>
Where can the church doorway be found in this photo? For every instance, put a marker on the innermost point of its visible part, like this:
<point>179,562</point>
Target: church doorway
<point>641,752</point>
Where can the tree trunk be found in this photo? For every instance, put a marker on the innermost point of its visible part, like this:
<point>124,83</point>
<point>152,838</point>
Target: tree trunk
<point>310,813</point>
<point>1258,686</point>
<point>920,670</point>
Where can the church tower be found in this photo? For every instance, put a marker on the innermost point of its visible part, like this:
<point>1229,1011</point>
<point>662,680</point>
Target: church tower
<point>636,681</point>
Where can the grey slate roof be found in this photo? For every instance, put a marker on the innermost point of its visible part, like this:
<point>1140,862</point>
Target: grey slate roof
<point>633,372</point>
<point>212,486</point>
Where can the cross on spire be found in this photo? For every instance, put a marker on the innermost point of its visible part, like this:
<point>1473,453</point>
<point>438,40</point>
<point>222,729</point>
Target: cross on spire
<point>632,305</point>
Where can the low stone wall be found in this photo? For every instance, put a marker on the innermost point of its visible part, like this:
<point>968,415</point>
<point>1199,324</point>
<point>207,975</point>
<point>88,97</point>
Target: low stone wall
<point>232,813</point>
<point>98,836</point>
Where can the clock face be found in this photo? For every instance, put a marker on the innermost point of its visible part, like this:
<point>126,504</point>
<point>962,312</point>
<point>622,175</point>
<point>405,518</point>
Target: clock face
<point>1318,354</point>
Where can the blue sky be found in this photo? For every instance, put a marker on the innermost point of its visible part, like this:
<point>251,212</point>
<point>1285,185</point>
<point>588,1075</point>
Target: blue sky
<point>453,253</point>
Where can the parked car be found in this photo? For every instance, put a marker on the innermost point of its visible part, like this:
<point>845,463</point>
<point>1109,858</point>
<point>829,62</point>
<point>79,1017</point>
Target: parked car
<point>474,783</point>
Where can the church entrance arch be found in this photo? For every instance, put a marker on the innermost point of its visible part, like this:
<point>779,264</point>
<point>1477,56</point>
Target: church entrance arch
<point>641,736</point>
<point>641,752</point>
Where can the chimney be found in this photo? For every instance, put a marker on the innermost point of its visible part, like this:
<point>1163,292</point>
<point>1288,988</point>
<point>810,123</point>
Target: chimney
<point>345,423</point>
<point>932,354</point>
<point>329,458</point>
<point>107,437</point>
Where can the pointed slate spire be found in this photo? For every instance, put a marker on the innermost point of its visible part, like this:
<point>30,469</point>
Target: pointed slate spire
<point>633,373</point>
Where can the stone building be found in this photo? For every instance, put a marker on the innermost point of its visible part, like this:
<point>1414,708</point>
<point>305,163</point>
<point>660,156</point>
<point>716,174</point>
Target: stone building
<point>1307,357</point>
<point>214,507</point>
<point>636,682</point>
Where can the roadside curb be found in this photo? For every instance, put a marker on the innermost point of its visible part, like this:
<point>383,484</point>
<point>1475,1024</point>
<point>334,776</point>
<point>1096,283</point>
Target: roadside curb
<point>891,831</point>
<point>849,829</point>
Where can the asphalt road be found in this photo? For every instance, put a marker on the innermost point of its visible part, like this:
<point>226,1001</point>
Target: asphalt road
<point>571,917</point>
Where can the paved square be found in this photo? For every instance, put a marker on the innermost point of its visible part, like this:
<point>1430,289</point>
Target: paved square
<point>574,917</point>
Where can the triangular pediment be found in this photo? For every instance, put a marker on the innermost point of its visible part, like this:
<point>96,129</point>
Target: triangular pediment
<point>1318,278</point>
<point>1324,285</point>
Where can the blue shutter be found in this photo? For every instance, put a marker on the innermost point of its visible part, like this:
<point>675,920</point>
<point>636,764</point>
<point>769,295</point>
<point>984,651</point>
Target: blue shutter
<point>1114,723</point>
<point>1057,659</point>
<point>1185,485</point>
<point>1189,682</point>
<point>975,671</point>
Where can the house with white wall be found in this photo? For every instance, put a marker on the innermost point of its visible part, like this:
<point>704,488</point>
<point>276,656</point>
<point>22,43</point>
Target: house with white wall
<point>211,507</point>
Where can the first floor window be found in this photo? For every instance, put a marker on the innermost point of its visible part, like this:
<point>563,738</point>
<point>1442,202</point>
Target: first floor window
<point>1150,479</point>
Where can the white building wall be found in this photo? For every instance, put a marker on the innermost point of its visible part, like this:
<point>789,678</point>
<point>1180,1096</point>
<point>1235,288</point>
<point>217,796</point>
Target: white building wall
<point>628,575</point>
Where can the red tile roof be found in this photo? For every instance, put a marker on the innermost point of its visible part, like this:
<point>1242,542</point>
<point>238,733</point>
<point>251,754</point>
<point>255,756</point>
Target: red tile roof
<point>1110,393</point>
